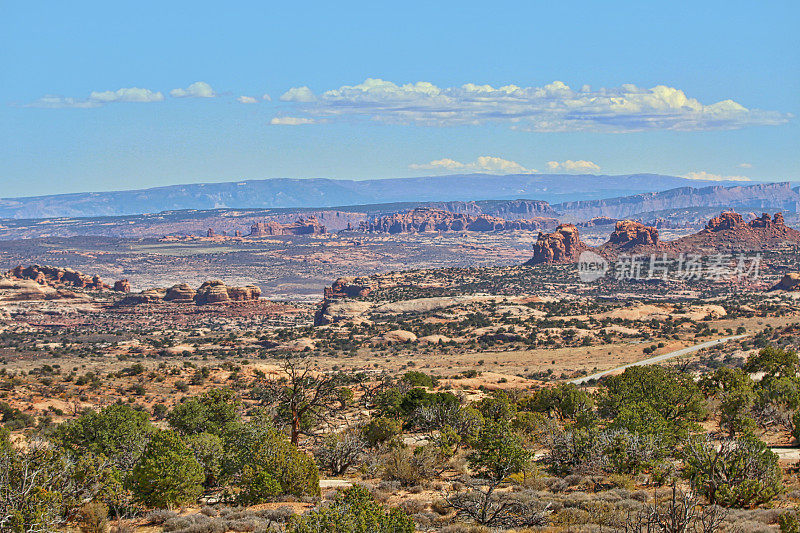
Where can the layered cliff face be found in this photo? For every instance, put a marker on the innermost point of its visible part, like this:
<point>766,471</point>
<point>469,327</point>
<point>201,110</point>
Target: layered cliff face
<point>209,292</point>
<point>303,226</point>
<point>760,196</point>
<point>424,219</point>
<point>62,277</point>
<point>561,246</point>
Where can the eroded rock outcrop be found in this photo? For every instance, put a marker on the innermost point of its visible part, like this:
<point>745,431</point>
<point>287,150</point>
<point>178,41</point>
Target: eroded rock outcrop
<point>348,287</point>
<point>210,292</point>
<point>424,219</point>
<point>629,233</point>
<point>303,226</point>
<point>59,277</point>
<point>725,220</point>
<point>122,285</point>
<point>56,277</point>
<point>562,246</point>
<point>180,293</point>
<point>789,282</point>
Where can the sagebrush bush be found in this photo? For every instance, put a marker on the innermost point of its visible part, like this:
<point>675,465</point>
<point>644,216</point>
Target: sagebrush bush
<point>93,517</point>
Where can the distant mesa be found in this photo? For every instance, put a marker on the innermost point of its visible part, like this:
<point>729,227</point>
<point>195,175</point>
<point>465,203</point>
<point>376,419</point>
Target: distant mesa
<point>303,226</point>
<point>561,246</point>
<point>597,221</point>
<point>425,219</point>
<point>58,277</point>
<point>210,292</point>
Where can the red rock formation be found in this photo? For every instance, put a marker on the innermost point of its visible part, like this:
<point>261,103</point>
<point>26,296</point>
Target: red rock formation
<point>303,226</point>
<point>425,219</point>
<point>180,293</point>
<point>726,220</point>
<point>122,286</point>
<point>561,246</point>
<point>248,292</point>
<point>57,277</point>
<point>348,288</point>
<point>630,233</point>
<point>209,292</point>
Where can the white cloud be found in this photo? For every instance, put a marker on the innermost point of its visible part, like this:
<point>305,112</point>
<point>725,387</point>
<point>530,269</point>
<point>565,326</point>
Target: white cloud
<point>99,98</point>
<point>247,100</point>
<point>132,94</point>
<point>485,163</point>
<point>745,165</point>
<point>553,107</point>
<point>298,94</point>
<point>198,89</point>
<point>579,166</point>
<point>291,121</point>
<point>266,97</point>
<point>707,176</point>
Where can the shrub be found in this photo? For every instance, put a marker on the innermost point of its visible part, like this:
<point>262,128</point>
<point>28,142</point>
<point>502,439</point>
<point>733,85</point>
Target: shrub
<point>409,466</point>
<point>381,429</point>
<point>210,412</point>
<point>209,452</point>
<point>739,473</point>
<point>353,511</point>
<point>167,473</point>
<point>652,400</point>
<point>93,518</point>
<point>340,450</point>
<point>117,432</point>
<point>264,464</point>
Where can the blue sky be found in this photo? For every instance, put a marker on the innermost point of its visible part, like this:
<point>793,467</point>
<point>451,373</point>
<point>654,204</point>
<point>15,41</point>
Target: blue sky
<point>100,96</point>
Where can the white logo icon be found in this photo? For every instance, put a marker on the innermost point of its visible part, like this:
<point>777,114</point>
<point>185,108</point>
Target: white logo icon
<point>591,267</point>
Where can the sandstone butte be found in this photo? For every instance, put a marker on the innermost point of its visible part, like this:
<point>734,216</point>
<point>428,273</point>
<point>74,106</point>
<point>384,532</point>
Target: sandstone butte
<point>562,246</point>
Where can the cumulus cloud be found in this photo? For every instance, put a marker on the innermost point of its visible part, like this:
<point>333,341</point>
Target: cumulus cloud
<point>745,165</point>
<point>553,107</point>
<point>579,166</point>
<point>247,100</point>
<point>198,89</point>
<point>707,176</point>
<point>99,98</point>
<point>490,164</point>
<point>291,121</point>
<point>298,94</point>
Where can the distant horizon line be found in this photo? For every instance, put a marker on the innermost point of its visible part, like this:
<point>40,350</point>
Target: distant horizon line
<point>706,183</point>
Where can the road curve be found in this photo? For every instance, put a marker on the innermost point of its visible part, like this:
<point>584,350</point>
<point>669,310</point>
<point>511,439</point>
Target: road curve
<point>658,358</point>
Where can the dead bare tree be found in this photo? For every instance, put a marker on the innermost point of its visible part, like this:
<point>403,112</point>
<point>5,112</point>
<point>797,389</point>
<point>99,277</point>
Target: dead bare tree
<point>681,513</point>
<point>299,388</point>
<point>482,503</point>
